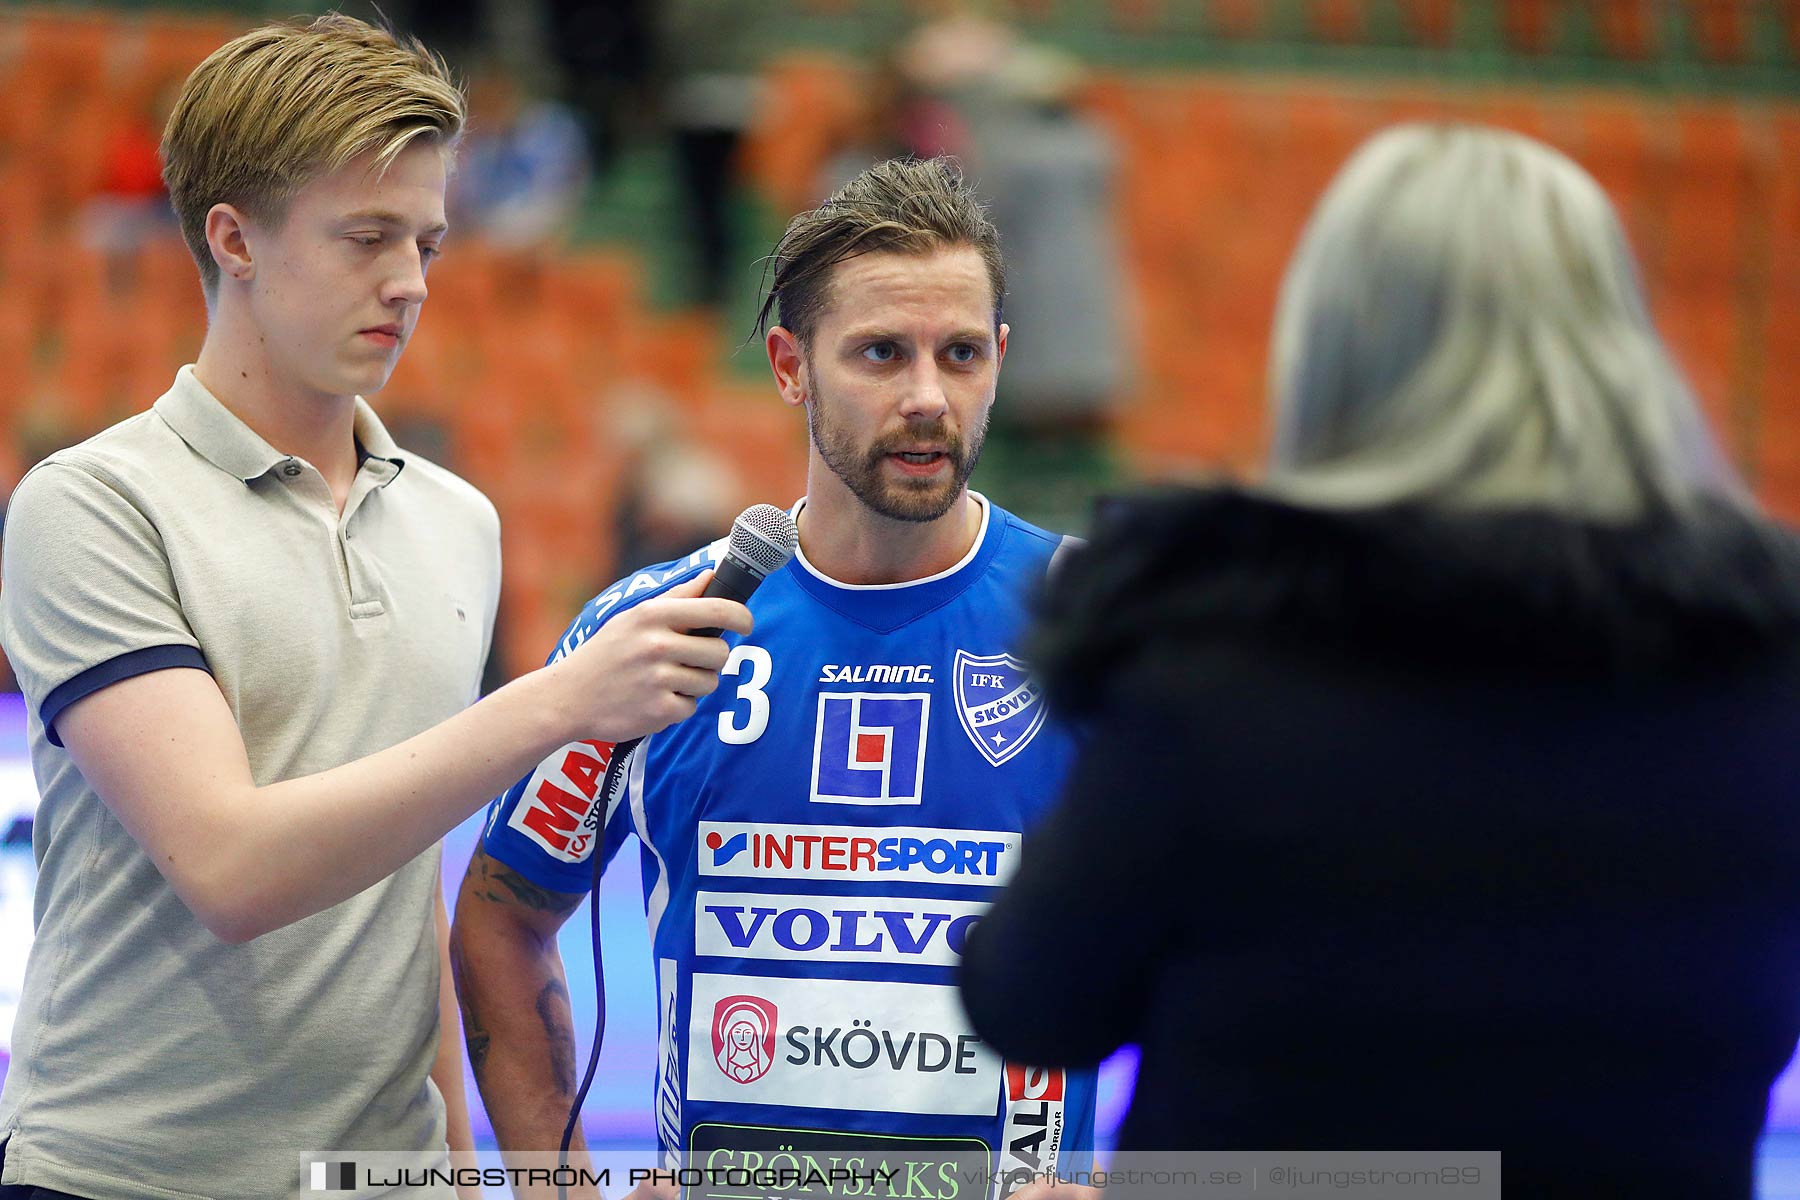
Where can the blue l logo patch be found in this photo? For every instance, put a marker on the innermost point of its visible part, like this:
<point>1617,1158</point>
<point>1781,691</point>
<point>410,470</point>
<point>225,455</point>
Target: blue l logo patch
<point>869,747</point>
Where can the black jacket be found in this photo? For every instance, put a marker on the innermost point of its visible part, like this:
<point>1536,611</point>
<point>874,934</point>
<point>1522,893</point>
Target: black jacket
<point>1409,831</point>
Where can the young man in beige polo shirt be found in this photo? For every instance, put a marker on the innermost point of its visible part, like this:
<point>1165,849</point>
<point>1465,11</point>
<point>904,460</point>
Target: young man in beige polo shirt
<point>250,630</point>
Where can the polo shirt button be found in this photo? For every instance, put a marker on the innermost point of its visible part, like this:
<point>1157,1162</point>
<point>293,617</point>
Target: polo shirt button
<point>291,469</point>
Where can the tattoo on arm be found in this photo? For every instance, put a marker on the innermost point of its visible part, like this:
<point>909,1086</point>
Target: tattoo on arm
<point>503,885</point>
<point>475,1035</point>
<point>553,1011</point>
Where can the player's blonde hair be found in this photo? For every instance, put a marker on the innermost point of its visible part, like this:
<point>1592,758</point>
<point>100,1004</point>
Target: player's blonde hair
<point>283,104</point>
<point>1463,323</point>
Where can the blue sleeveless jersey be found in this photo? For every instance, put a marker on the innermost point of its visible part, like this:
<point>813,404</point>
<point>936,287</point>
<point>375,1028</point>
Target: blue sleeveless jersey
<point>817,841</point>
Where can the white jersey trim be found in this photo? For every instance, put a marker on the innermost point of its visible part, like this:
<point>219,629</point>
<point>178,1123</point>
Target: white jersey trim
<point>658,900</point>
<point>974,549</point>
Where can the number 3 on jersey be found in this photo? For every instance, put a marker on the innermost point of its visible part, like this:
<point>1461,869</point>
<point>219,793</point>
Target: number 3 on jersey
<point>738,727</point>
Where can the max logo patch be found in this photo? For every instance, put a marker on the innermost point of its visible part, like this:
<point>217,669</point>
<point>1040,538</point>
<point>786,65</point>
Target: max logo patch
<point>1001,709</point>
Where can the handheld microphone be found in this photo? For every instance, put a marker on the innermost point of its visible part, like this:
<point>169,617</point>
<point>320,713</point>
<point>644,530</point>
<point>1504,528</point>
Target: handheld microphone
<point>763,539</point>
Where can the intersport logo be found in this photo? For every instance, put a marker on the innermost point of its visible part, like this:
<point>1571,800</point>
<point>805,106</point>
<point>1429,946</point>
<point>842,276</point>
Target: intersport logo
<point>849,929</point>
<point>906,853</point>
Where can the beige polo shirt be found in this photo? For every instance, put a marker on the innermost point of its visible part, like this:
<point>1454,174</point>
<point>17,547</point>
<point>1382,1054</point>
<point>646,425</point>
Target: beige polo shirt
<point>150,1058</point>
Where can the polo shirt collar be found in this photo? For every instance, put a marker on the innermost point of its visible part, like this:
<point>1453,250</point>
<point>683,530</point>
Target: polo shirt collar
<point>217,435</point>
<point>380,457</point>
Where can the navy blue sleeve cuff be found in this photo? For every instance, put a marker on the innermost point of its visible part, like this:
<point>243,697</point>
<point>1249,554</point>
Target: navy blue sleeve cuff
<point>113,670</point>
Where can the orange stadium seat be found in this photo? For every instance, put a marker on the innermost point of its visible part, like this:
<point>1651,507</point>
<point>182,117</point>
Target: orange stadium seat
<point>1208,161</point>
<point>1700,329</point>
<point>1780,407</point>
<point>810,108</point>
<point>1520,113</point>
<point>1626,27</point>
<point>764,440</point>
<point>1707,196</point>
<point>69,45</point>
<point>424,383</point>
<point>174,46</point>
<point>529,624</point>
<point>1530,25</point>
<point>18,353</point>
<point>1781,399</point>
<point>679,354</point>
<point>22,200</point>
<point>1430,22</point>
<point>1612,143</point>
<point>1321,130</point>
<point>1720,28</point>
<point>1236,18</point>
<point>604,288</point>
<point>1784,219</point>
<point>1338,20</point>
<point>1409,101</point>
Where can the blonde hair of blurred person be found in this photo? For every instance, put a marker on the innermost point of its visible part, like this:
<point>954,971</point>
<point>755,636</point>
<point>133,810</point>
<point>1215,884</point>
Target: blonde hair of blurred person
<point>1463,324</point>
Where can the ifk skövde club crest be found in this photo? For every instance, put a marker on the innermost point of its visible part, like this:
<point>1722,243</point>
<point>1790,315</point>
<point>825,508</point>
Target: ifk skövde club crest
<point>1001,709</point>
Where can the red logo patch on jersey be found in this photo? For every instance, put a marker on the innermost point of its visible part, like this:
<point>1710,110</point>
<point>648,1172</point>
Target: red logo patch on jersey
<point>743,1037</point>
<point>561,809</point>
<point>1033,1083</point>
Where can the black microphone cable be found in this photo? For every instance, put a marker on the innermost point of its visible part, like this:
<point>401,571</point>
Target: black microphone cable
<point>763,539</point>
<point>614,778</point>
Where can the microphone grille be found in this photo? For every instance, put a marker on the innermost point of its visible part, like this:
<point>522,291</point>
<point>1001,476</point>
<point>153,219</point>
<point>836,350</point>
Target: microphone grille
<point>764,537</point>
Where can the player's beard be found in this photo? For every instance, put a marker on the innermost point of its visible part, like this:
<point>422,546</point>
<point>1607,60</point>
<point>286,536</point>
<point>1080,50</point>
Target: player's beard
<point>906,498</point>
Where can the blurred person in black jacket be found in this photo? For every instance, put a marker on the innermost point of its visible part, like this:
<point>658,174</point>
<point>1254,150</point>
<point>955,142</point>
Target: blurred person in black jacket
<point>1440,792</point>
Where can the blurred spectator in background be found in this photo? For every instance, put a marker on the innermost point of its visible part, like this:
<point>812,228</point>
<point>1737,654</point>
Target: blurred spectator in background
<point>129,204</point>
<point>524,166</point>
<point>607,53</point>
<point>954,62</point>
<point>894,119</point>
<point>921,98</point>
<point>709,99</point>
<point>1440,794</point>
<point>1047,172</point>
<point>674,494</point>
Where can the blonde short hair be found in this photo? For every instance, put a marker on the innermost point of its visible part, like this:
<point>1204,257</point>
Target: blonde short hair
<point>283,104</point>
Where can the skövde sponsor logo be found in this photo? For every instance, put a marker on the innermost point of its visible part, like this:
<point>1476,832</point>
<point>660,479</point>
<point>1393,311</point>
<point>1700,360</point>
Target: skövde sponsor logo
<point>843,1044</point>
<point>743,1037</point>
